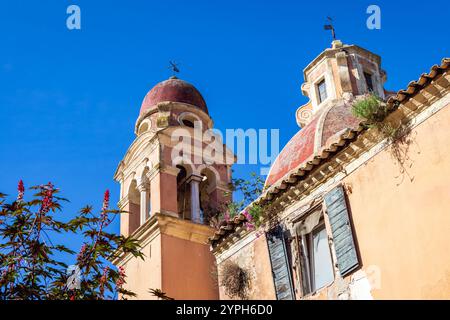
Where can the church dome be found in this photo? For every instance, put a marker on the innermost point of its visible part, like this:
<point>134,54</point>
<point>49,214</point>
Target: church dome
<point>173,90</point>
<point>317,134</point>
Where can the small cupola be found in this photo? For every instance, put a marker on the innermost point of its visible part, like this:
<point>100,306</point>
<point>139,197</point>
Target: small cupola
<point>340,72</point>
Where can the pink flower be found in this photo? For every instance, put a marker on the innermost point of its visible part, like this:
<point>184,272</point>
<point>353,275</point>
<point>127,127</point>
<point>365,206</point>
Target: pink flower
<point>47,201</point>
<point>105,204</point>
<point>103,280</point>
<point>21,190</point>
<point>249,226</point>
<point>121,279</point>
<point>82,253</point>
<point>105,273</point>
<point>106,200</point>
<point>249,223</point>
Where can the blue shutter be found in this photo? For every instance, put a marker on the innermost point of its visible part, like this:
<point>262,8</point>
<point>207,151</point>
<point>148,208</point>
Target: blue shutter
<point>347,257</point>
<point>280,264</point>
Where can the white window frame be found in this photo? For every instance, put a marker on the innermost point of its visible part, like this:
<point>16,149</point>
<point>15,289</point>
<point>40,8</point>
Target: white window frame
<point>316,85</point>
<point>305,253</point>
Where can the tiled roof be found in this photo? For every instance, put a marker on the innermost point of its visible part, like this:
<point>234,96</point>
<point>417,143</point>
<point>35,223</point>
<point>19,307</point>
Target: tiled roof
<point>314,136</point>
<point>173,90</point>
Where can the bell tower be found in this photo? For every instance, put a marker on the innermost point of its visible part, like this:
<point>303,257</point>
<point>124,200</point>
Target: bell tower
<point>171,185</point>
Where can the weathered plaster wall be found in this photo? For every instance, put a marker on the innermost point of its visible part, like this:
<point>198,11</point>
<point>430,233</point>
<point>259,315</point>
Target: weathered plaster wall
<point>403,226</point>
<point>254,258</point>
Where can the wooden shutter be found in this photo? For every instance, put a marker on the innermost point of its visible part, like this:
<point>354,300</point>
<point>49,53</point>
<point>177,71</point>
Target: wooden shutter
<point>280,264</point>
<point>347,257</point>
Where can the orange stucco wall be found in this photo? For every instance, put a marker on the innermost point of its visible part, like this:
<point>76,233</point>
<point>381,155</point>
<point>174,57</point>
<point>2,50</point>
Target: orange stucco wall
<point>188,269</point>
<point>177,260</point>
<point>402,222</point>
<point>143,275</point>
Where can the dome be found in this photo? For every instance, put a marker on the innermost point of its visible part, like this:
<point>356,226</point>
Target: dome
<point>323,127</point>
<point>173,90</point>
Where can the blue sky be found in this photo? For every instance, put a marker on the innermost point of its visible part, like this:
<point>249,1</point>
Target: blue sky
<point>69,99</point>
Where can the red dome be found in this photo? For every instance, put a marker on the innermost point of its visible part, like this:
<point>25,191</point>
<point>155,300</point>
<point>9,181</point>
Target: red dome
<point>174,90</point>
<point>315,135</point>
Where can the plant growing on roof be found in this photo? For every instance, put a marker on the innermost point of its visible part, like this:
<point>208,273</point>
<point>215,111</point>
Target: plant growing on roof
<point>249,190</point>
<point>374,111</point>
<point>371,108</point>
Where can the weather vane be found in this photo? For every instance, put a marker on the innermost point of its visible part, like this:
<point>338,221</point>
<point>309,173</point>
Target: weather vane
<point>329,26</point>
<point>174,67</point>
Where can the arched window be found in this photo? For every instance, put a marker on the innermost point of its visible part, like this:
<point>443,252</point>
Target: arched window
<point>134,207</point>
<point>187,123</point>
<point>183,193</point>
<point>188,119</point>
<point>144,126</point>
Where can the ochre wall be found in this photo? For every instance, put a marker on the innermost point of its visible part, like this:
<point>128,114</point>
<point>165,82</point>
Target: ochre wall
<point>188,269</point>
<point>403,226</point>
<point>177,261</point>
<point>143,275</point>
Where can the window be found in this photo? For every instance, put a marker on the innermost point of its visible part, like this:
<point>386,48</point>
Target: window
<point>143,128</point>
<point>187,123</point>
<point>322,91</point>
<point>369,82</point>
<point>316,266</point>
<point>320,258</point>
<point>188,119</point>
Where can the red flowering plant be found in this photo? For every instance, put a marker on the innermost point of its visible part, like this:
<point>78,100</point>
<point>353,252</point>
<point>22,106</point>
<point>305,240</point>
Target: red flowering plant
<point>31,266</point>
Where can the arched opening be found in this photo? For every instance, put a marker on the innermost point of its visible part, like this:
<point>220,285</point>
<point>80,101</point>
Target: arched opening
<point>208,201</point>
<point>188,119</point>
<point>183,194</point>
<point>188,123</point>
<point>143,127</point>
<point>134,207</point>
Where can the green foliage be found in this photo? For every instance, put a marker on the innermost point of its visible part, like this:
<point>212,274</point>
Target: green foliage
<point>370,109</point>
<point>30,266</point>
<point>374,111</point>
<point>249,191</point>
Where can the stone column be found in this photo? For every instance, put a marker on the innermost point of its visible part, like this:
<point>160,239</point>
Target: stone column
<point>194,182</point>
<point>145,203</point>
